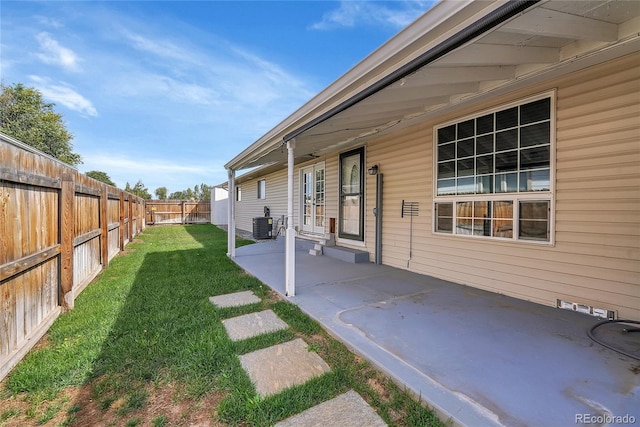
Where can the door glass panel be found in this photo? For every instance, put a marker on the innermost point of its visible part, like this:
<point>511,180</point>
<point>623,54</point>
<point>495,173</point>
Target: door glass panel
<point>351,215</point>
<point>313,198</point>
<point>351,195</point>
<point>307,199</point>
<point>351,174</point>
<point>319,201</point>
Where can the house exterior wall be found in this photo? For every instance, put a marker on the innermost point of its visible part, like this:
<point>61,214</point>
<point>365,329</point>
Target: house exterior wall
<point>275,199</point>
<point>594,256</point>
<point>595,259</point>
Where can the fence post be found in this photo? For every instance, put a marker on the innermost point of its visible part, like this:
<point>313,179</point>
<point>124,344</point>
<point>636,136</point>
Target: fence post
<point>182,212</point>
<point>104,225</point>
<point>67,212</point>
<point>130,228</point>
<point>122,221</point>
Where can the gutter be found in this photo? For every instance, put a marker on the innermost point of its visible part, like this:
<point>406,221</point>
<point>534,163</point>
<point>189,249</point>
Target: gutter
<point>486,23</point>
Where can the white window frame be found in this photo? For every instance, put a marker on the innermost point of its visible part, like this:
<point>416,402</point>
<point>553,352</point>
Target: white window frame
<point>238,193</point>
<point>515,197</point>
<point>262,189</point>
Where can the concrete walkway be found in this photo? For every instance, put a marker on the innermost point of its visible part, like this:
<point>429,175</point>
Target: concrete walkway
<point>478,358</point>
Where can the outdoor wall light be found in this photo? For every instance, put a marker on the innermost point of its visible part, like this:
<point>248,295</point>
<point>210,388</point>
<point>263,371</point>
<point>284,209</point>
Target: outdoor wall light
<point>373,170</point>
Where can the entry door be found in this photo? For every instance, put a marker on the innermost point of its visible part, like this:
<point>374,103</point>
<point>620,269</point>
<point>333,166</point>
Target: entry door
<point>313,198</point>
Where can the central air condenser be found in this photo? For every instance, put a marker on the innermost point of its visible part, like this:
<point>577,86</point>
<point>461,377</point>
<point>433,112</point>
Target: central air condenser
<point>262,228</point>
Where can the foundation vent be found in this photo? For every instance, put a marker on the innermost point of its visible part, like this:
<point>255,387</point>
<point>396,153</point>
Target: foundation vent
<point>587,309</point>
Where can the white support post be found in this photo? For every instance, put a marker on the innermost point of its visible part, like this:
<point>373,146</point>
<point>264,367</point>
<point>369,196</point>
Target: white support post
<point>231,212</point>
<point>290,249</point>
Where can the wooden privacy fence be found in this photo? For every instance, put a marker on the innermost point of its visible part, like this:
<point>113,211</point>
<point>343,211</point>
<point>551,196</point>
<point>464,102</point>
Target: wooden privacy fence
<point>177,212</point>
<point>58,230</point>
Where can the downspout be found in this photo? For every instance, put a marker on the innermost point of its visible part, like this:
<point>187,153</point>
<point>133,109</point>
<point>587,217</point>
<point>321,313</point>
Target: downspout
<point>379,218</point>
<point>486,23</point>
<point>290,249</point>
<point>231,215</point>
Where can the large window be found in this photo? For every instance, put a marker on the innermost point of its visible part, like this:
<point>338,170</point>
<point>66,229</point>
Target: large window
<point>493,173</point>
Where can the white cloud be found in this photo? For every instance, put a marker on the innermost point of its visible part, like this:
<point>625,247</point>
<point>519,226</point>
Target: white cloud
<point>55,54</point>
<point>145,83</point>
<point>168,76</point>
<point>270,71</point>
<point>161,48</point>
<point>227,77</point>
<point>352,13</point>
<point>148,166</point>
<point>65,95</point>
<point>48,21</point>
<point>153,172</point>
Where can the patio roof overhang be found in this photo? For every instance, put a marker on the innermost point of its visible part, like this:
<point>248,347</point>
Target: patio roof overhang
<point>457,53</point>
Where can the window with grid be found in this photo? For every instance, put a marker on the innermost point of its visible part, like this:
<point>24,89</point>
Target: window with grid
<point>493,173</point>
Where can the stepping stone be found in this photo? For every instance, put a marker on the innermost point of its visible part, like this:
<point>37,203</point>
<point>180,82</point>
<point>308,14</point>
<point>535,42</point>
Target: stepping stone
<point>234,300</point>
<point>253,324</point>
<point>346,410</point>
<point>281,366</point>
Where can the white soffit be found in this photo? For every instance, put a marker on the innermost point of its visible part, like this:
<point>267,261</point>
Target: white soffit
<point>553,38</point>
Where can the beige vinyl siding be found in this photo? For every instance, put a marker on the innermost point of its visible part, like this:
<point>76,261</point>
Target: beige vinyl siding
<point>250,206</point>
<point>331,183</point>
<point>598,181</point>
<point>406,167</point>
<point>595,258</point>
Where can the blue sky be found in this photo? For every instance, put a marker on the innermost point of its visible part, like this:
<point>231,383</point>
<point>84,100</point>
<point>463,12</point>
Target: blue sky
<point>167,92</point>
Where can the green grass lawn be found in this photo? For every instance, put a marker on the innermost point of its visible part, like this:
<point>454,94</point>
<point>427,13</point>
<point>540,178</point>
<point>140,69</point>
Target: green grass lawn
<point>144,346</point>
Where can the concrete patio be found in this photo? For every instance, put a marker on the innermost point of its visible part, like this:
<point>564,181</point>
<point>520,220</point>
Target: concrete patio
<point>477,358</point>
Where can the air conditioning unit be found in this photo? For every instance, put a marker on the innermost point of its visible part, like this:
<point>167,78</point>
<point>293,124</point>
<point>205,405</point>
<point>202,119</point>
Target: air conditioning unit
<point>262,228</point>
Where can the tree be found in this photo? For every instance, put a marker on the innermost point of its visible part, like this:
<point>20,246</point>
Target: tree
<point>161,193</point>
<point>198,192</point>
<point>138,190</point>
<point>176,195</point>
<point>26,117</point>
<point>100,176</point>
<point>204,192</point>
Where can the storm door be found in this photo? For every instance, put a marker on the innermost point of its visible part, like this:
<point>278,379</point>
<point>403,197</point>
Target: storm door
<point>313,198</point>
<point>352,195</point>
